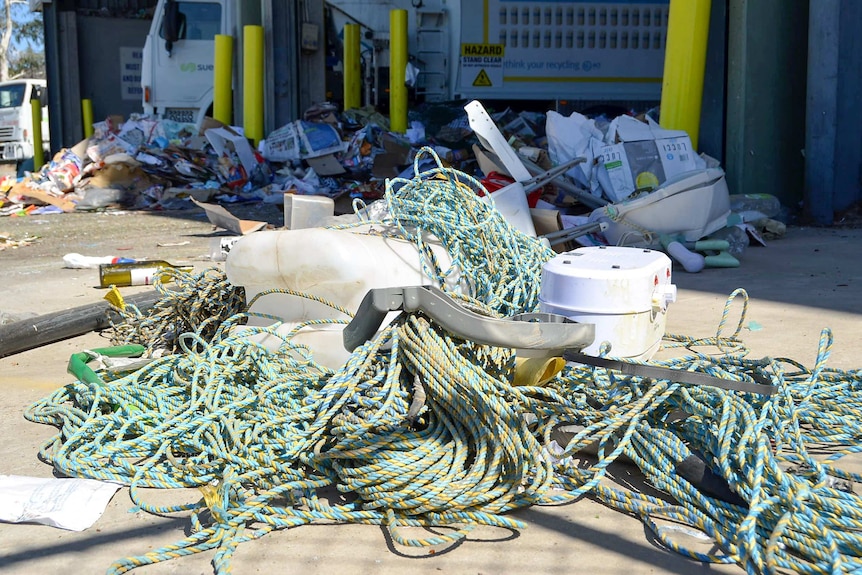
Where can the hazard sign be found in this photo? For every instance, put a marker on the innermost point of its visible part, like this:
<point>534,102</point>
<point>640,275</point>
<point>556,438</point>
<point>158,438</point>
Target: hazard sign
<point>482,79</point>
<point>482,65</point>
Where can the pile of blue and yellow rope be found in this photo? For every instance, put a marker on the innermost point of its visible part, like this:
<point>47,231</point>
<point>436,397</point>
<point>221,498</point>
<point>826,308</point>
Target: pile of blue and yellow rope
<point>421,428</point>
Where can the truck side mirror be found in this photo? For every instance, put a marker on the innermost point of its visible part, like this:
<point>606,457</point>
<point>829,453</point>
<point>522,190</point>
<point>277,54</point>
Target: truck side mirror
<point>171,24</point>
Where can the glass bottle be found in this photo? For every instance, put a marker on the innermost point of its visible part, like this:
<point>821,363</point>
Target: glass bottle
<point>138,273</point>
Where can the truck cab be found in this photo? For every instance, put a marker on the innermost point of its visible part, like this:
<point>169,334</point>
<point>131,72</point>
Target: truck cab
<point>177,68</point>
<point>16,118</point>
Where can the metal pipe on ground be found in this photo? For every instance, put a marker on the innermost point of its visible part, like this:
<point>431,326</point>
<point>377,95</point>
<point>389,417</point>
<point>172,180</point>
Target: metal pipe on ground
<point>42,330</point>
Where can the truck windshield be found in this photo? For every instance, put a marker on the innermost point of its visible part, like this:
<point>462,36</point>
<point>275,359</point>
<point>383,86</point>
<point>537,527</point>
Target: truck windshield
<point>12,95</point>
<point>198,20</point>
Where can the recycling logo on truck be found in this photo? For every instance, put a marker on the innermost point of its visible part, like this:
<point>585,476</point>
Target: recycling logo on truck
<point>193,67</point>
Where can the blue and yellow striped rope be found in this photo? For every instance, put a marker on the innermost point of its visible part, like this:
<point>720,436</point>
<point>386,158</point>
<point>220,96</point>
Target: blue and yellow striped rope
<point>261,431</point>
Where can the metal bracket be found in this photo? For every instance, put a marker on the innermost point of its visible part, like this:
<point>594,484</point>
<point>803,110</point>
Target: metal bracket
<point>543,331</point>
<point>762,386</point>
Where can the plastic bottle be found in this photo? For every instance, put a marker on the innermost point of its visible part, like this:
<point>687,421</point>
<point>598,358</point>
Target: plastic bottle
<point>78,261</point>
<point>735,236</point>
<point>753,207</point>
<point>691,261</point>
<point>134,274</point>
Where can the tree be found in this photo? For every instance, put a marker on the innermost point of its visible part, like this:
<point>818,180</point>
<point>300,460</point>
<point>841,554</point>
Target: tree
<point>25,56</point>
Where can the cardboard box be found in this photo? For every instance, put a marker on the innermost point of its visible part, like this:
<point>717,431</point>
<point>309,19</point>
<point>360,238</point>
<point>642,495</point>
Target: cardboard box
<point>395,155</point>
<point>23,190</point>
<point>546,221</point>
<point>642,157</point>
<point>645,165</point>
<point>326,165</point>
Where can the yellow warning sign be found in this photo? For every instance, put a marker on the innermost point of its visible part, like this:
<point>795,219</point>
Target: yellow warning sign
<point>482,79</point>
<point>481,67</point>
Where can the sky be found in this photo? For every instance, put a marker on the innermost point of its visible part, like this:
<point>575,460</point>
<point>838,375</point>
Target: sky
<point>21,13</point>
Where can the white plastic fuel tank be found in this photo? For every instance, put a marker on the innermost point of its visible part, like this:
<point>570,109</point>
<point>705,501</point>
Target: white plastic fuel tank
<point>336,265</point>
<point>624,291</point>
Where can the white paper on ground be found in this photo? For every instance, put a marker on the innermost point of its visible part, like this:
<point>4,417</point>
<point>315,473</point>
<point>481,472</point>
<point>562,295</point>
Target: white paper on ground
<point>73,504</point>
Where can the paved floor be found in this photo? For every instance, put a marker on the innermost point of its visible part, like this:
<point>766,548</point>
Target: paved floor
<point>807,281</point>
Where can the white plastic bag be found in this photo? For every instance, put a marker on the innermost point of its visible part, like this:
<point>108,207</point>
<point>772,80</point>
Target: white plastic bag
<point>73,504</point>
<point>571,137</point>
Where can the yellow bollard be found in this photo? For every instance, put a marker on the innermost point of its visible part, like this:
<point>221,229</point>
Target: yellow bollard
<point>87,115</point>
<point>36,114</point>
<point>252,112</point>
<point>223,79</point>
<point>398,70</point>
<point>352,73</point>
<point>684,63</point>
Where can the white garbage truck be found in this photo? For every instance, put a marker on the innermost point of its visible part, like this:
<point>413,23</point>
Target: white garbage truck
<point>177,67</point>
<point>16,119</point>
<point>482,49</point>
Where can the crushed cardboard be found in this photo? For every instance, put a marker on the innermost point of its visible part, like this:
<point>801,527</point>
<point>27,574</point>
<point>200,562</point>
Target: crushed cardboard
<point>221,218</point>
<point>25,190</point>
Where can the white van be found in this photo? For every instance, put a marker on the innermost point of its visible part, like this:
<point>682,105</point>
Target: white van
<point>16,118</point>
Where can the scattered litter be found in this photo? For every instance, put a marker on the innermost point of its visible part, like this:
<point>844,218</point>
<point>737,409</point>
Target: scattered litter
<point>8,242</point>
<point>687,531</point>
<point>769,229</point>
<point>626,165</point>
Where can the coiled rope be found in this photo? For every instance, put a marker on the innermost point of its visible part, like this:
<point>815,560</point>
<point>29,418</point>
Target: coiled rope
<point>419,428</point>
<point>442,205</point>
<point>196,302</point>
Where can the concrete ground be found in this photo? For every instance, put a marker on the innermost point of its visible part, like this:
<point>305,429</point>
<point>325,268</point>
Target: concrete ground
<point>809,280</point>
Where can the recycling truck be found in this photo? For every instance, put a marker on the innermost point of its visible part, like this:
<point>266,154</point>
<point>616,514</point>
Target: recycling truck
<point>16,119</point>
<point>483,49</point>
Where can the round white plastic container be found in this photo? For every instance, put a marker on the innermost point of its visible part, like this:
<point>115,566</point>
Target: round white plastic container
<point>623,291</point>
<point>336,265</point>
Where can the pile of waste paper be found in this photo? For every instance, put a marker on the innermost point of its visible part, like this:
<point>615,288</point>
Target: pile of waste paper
<point>639,183</point>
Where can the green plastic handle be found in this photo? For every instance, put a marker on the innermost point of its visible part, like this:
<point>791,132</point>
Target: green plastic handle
<point>78,361</point>
<point>711,245</point>
<point>722,260</point>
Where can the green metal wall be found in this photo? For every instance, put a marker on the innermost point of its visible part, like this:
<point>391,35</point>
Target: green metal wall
<point>766,87</point>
